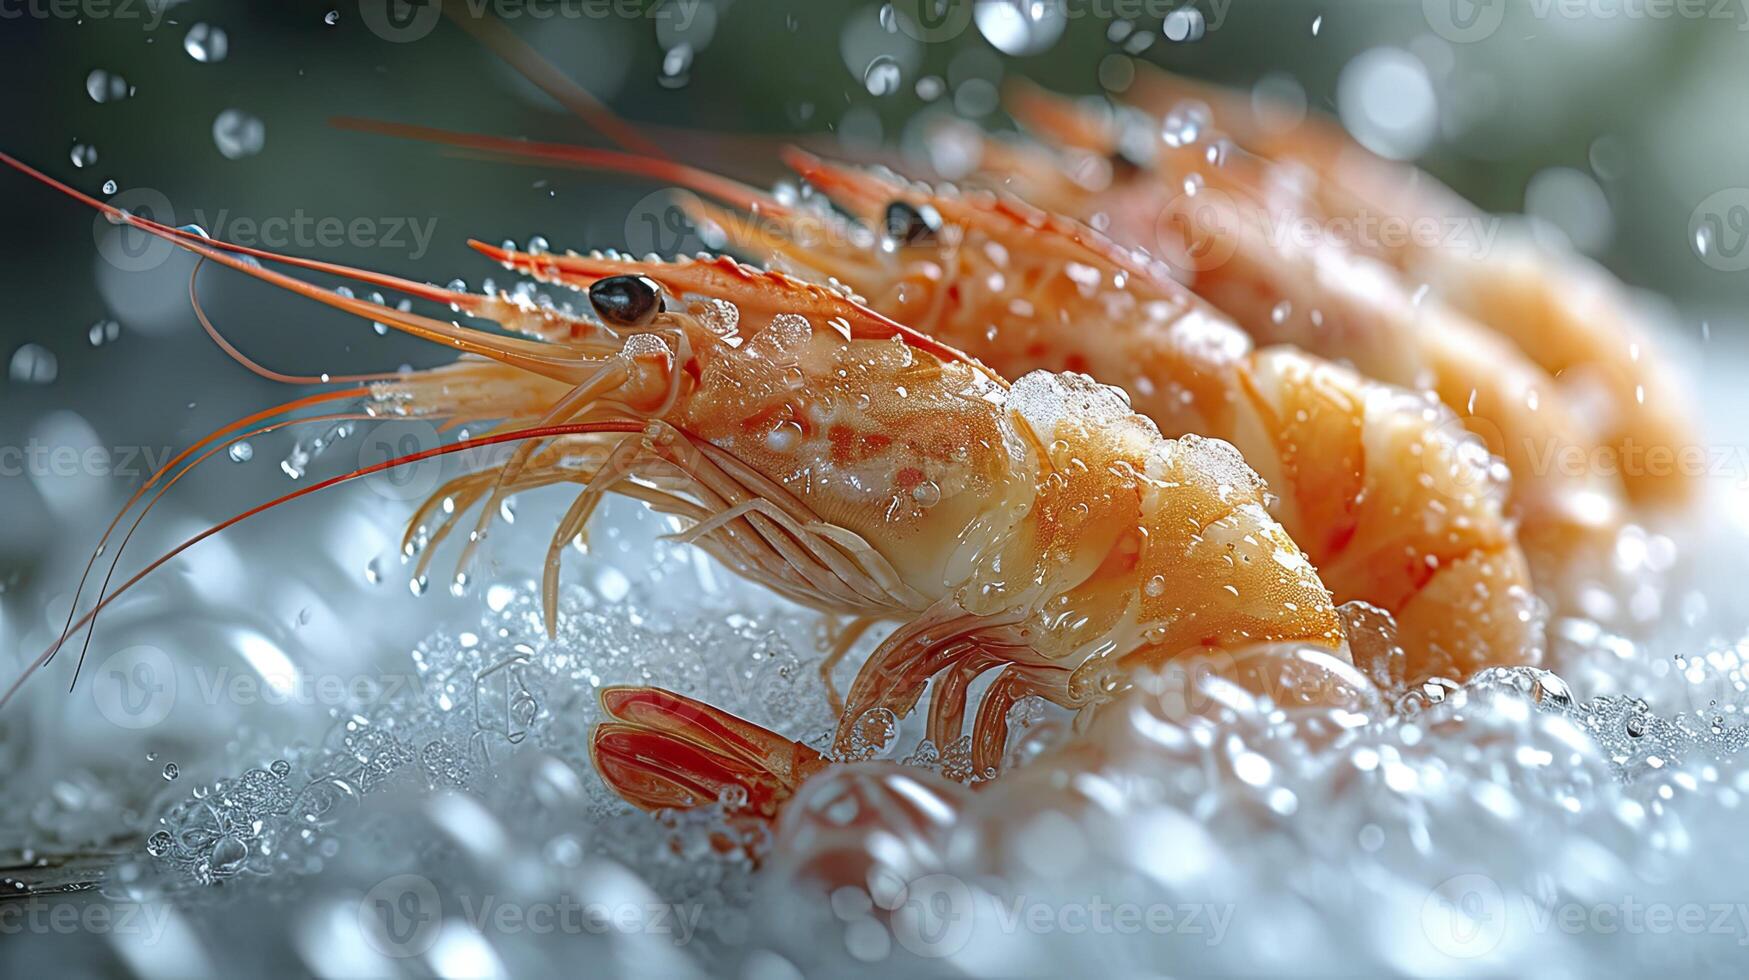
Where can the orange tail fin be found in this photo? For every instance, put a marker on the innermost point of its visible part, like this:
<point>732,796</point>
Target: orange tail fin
<point>662,750</point>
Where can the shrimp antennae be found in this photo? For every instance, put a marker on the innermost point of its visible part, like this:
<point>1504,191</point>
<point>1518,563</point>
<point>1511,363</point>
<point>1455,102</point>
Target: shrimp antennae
<point>140,518</point>
<point>525,354</point>
<point>254,366</point>
<point>548,78</point>
<point>162,471</point>
<point>651,166</point>
<point>481,442</point>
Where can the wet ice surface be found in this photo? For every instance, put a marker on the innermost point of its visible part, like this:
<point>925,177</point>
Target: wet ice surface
<point>446,819</point>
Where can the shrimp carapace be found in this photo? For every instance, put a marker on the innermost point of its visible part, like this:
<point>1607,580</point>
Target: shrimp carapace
<point>1236,231</point>
<point>1562,310</point>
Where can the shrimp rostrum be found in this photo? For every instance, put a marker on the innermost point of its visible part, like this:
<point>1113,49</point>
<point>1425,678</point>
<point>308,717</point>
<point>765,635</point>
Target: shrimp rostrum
<point>1042,528</point>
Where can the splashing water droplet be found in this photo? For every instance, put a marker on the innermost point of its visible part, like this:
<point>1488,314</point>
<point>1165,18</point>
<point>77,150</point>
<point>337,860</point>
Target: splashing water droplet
<point>883,76</point>
<point>1020,27</point>
<point>34,364</point>
<point>237,134</point>
<point>105,86</point>
<point>103,332</point>
<point>206,43</point>
<point>1184,25</point>
<point>675,65</point>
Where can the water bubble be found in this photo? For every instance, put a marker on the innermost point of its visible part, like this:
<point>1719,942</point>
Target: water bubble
<point>882,77</point>
<point>103,332</point>
<point>110,187</point>
<point>34,364</point>
<point>1020,27</point>
<point>206,43</point>
<point>171,771</point>
<point>105,86</point>
<point>1572,201</point>
<point>1184,24</point>
<point>242,451</point>
<point>84,155</point>
<point>676,63</point>
<point>1387,101</point>
<point>237,134</point>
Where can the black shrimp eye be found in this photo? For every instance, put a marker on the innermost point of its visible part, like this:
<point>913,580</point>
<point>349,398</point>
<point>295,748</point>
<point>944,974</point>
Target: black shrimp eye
<point>625,301</point>
<point>911,225</point>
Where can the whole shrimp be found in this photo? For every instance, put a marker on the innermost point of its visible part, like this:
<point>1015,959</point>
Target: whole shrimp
<point>1378,485</point>
<point>1563,311</point>
<point>855,466</point>
<point>1219,218</point>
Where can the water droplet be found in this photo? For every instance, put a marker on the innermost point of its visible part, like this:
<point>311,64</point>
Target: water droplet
<point>883,76</point>
<point>1020,27</point>
<point>84,155</point>
<point>105,86</point>
<point>238,134</point>
<point>103,332</point>
<point>1386,100</point>
<point>171,771</point>
<point>110,187</point>
<point>242,452</point>
<point>1184,24</point>
<point>206,43</point>
<point>331,18</point>
<point>927,494</point>
<point>34,364</point>
<point>675,65</point>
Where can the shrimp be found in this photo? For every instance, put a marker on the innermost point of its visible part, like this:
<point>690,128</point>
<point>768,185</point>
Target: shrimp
<point>1562,310</point>
<point>1375,483</point>
<point>858,467</point>
<point>1221,220</point>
